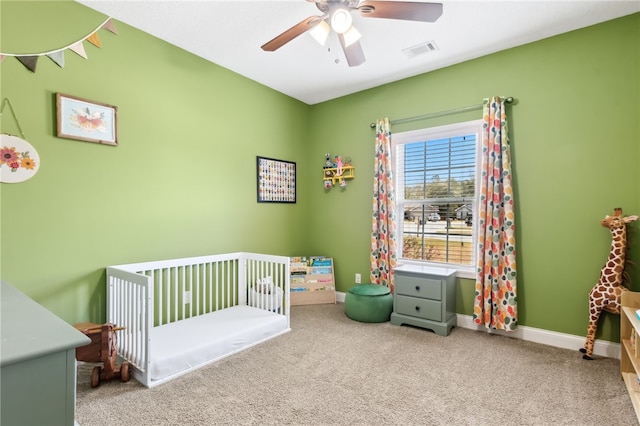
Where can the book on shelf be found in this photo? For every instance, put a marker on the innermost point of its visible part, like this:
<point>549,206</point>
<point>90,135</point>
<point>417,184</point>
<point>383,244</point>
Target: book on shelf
<point>297,279</point>
<point>319,270</point>
<point>320,261</point>
<point>326,280</point>
<point>303,289</point>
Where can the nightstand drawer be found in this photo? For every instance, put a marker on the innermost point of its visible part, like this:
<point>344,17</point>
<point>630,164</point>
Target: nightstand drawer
<point>419,287</point>
<point>421,308</point>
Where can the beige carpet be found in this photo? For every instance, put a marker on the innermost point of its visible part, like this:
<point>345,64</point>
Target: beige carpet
<point>330,370</point>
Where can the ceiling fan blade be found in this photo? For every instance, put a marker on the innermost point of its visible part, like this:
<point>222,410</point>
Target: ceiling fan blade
<point>293,32</point>
<point>353,52</point>
<point>405,10</point>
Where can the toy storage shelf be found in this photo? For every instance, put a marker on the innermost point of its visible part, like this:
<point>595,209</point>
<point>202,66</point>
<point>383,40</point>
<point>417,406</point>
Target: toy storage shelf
<point>330,173</point>
<point>630,347</point>
<point>312,281</point>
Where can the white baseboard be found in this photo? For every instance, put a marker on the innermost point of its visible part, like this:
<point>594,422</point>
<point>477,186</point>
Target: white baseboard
<point>552,338</point>
<point>546,337</point>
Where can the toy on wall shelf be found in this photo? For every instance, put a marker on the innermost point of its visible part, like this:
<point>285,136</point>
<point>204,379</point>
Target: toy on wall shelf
<point>337,172</point>
<point>606,294</point>
<point>327,161</point>
<point>338,166</point>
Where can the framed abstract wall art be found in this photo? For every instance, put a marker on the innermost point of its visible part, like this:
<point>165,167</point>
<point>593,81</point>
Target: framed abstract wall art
<point>86,120</point>
<point>276,180</point>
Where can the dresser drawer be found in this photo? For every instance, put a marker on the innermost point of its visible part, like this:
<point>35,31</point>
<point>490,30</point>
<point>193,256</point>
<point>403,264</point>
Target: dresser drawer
<point>421,308</point>
<point>419,287</point>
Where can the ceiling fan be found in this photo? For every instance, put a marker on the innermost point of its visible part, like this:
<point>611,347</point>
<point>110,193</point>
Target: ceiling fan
<point>337,17</point>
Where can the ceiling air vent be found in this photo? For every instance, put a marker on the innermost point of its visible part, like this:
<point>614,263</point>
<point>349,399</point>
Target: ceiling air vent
<point>420,49</point>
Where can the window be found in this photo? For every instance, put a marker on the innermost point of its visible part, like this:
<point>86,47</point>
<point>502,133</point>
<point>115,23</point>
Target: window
<point>435,179</point>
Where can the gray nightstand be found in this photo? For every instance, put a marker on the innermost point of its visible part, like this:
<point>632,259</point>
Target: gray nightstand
<point>425,297</point>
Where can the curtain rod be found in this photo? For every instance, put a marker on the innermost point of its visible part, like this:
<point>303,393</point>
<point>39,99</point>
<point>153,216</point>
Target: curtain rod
<point>440,113</point>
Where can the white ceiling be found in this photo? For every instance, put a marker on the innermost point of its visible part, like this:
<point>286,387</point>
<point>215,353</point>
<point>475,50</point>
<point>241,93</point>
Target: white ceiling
<point>230,33</point>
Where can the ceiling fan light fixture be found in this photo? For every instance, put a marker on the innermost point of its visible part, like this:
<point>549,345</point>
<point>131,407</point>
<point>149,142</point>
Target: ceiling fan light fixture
<point>321,32</point>
<point>341,20</point>
<point>351,36</point>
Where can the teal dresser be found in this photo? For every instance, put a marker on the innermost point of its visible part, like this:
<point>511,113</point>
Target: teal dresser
<point>37,363</point>
<point>425,297</point>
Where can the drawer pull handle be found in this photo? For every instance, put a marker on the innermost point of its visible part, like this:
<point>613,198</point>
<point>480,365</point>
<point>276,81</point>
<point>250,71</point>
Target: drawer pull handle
<point>417,288</point>
<point>417,308</point>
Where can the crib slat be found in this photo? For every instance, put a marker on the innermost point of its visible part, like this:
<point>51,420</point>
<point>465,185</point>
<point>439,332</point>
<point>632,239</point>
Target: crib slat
<point>210,286</point>
<point>234,300</point>
<point>167,284</point>
<point>197,290</point>
<point>174,286</point>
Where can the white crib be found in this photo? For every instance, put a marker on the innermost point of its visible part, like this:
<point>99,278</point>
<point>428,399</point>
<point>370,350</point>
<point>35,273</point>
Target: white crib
<point>182,314</point>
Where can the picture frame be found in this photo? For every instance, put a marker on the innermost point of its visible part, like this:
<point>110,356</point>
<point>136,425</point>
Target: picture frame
<point>276,180</point>
<point>85,120</point>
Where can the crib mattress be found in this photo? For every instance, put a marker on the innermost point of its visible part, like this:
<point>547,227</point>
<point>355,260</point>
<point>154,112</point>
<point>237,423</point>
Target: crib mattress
<point>185,345</point>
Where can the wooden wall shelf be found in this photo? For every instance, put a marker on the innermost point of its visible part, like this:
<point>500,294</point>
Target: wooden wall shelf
<point>331,174</point>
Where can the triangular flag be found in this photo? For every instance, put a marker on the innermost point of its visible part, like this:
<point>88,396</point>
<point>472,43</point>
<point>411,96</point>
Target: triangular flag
<point>110,27</point>
<point>29,61</point>
<point>2,58</point>
<point>57,57</point>
<point>94,39</point>
<point>79,49</point>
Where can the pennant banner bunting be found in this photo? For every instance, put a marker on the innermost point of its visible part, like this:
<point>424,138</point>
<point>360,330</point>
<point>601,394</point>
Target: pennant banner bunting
<point>57,57</point>
<point>109,26</point>
<point>79,49</point>
<point>94,39</point>
<point>30,60</point>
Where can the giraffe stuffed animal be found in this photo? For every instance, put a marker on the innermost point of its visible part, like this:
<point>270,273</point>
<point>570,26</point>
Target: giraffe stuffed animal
<point>605,295</point>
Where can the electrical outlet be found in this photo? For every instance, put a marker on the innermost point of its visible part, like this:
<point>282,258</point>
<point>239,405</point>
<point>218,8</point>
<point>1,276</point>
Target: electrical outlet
<point>358,278</point>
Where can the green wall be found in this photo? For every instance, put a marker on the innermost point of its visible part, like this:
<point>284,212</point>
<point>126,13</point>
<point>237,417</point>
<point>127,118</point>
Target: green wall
<point>182,181</point>
<point>575,140</point>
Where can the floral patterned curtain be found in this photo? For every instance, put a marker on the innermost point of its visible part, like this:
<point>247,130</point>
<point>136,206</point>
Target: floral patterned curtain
<point>495,295</point>
<point>383,226</point>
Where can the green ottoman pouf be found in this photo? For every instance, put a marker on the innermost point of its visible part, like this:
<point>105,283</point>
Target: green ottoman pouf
<point>368,303</point>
